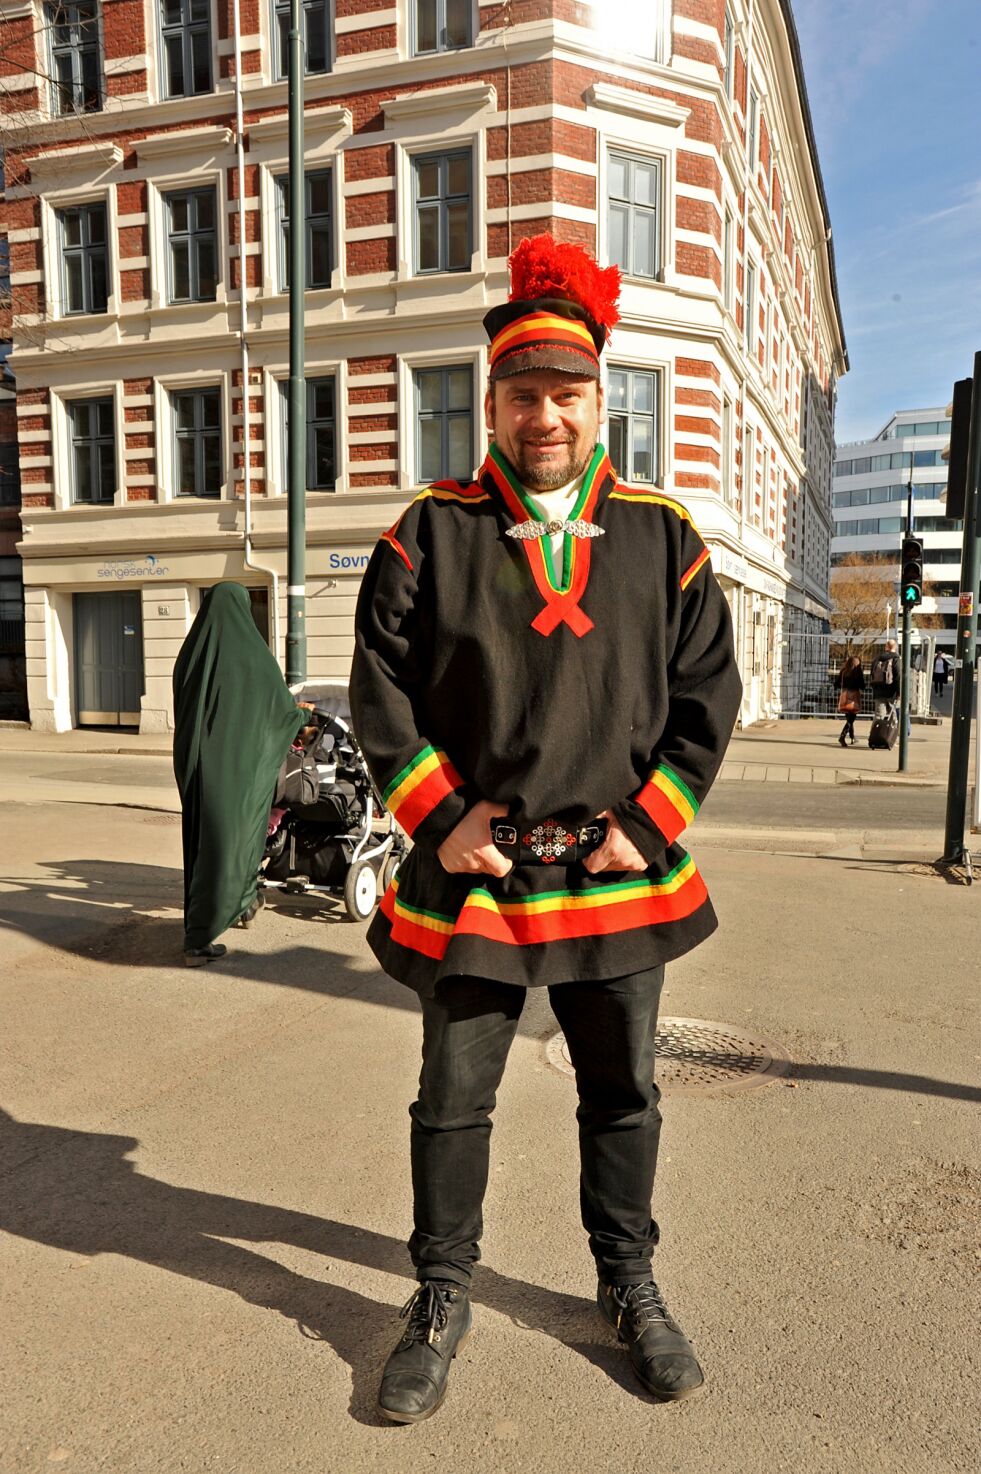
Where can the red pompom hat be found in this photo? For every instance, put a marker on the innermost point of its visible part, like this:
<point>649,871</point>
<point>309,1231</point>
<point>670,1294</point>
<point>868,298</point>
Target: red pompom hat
<point>560,312</point>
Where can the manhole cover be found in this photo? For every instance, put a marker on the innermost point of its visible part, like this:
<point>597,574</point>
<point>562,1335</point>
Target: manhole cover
<point>697,1056</point>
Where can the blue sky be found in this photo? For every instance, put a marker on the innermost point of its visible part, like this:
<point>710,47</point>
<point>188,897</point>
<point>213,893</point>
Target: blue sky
<point>891,84</point>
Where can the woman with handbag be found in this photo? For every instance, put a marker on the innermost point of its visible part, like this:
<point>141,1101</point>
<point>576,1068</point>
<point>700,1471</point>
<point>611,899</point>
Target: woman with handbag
<point>852,683</point>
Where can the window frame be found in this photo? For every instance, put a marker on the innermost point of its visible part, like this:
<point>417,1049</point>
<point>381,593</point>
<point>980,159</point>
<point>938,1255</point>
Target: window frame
<point>93,443</point>
<point>10,474</point>
<point>658,458</point>
<point>728,258</point>
<point>729,53</point>
<point>443,201</point>
<point>751,331</point>
<point>442,367</point>
<point>280,185</point>
<point>440,49</point>
<point>329,377</point>
<point>191,192</point>
<point>75,51</point>
<point>198,431</point>
<point>651,161</point>
<point>280,68</point>
<point>86,251</point>
<point>185,28</point>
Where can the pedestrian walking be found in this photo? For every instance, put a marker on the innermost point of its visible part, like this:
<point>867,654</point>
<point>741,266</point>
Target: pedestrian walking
<point>940,671</point>
<point>884,676</point>
<point>544,685</point>
<point>852,683</point>
<point>234,720</point>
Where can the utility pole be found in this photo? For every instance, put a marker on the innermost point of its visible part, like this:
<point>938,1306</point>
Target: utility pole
<point>965,662</point>
<point>296,488</point>
<point>907,618</point>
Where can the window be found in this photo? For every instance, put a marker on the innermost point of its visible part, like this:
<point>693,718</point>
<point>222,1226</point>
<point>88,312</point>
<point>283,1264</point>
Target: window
<point>727,271</point>
<point>749,325</point>
<point>318,257</point>
<point>442,209</point>
<point>4,268</point>
<point>11,598</point>
<point>84,258</point>
<point>186,32</point>
<point>843,468</point>
<point>193,246</point>
<point>316,36</point>
<point>749,470</point>
<point>728,489</point>
<point>76,63</point>
<point>320,458</point>
<point>729,42</point>
<point>927,458</point>
<point>93,464</point>
<point>635,194</point>
<point>197,436</point>
<point>9,475</point>
<point>442,25</point>
<point>632,409</point>
<point>862,466</point>
<point>752,129</point>
<point>444,424</point>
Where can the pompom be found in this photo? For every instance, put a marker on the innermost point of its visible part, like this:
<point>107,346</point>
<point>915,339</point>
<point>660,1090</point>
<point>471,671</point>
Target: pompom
<point>543,267</point>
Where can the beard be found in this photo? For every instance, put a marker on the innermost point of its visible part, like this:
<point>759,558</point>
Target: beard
<point>549,475</point>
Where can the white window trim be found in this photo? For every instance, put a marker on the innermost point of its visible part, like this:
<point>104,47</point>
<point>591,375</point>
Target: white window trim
<point>665,242</point>
<point>431,359</point>
<point>157,71</point>
<point>165,184</point>
<point>267,19</point>
<point>665,421</point>
<point>62,471</point>
<point>452,140</point>
<point>269,222</point>
<point>273,380</point>
<point>51,203</point>
<point>163,418</point>
<point>406,31</point>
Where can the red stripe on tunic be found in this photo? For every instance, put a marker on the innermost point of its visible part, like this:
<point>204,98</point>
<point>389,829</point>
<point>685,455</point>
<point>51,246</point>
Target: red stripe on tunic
<point>557,926</point>
<point>419,804</point>
<point>658,806</point>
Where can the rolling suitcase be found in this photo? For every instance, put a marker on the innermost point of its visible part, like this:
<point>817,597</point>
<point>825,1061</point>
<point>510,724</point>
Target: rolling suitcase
<point>884,731</point>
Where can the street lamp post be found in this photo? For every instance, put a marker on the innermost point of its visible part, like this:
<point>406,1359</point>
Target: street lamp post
<point>296,636</point>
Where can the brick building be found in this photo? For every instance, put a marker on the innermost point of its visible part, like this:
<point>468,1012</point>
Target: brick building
<point>438,133</point>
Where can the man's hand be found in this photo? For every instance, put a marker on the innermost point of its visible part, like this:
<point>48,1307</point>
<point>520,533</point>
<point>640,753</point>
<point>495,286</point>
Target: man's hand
<point>468,849</point>
<point>617,852</point>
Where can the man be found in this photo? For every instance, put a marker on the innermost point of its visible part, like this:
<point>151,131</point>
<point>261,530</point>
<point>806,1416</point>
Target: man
<point>545,651</point>
<point>885,679</point>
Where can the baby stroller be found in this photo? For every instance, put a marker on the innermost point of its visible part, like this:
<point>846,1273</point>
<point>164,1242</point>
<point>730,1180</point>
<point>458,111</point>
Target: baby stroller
<point>334,834</point>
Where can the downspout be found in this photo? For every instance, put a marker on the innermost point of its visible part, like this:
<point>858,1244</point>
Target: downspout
<point>747,623</point>
<point>249,561</point>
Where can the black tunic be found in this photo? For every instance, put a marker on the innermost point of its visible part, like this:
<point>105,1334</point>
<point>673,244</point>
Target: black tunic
<point>483,671</point>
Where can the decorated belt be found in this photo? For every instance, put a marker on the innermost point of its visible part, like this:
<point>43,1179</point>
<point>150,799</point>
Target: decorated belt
<point>548,843</point>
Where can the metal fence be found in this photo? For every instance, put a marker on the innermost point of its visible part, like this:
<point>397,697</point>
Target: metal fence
<point>810,667</point>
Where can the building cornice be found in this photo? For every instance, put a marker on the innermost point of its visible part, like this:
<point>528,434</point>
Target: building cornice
<point>467,97</point>
<point>61,162</point>
<point>178,141</point>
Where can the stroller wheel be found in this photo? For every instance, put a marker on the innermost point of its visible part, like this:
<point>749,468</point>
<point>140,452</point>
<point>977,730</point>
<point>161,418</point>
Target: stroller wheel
<point>389,870</point>
<point>360,891</point>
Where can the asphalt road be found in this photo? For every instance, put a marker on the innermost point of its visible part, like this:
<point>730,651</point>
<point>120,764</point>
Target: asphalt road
<point>86,777</point>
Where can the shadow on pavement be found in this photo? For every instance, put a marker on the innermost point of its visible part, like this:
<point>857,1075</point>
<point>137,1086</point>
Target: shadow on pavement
<point>884,1080</point>
<point>75,1191</point>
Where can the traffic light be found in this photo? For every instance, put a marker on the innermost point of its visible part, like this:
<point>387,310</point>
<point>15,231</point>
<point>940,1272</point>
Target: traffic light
<point>911,586</point>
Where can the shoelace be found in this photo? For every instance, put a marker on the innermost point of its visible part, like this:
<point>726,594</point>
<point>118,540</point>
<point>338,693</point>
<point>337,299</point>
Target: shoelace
<point>642,1301</point>
<point>427,1312</point>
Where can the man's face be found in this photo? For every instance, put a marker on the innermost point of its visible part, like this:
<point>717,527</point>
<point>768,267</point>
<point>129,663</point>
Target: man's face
<point>546,424</point>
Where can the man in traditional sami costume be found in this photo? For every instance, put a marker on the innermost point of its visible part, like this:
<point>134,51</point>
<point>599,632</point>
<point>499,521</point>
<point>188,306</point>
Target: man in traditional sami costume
<point>544,686</point>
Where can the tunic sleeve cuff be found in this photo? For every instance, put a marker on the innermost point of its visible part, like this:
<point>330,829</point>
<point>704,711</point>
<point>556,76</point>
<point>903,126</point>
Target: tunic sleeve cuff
<point>660,810</point>
<point>428,797</point>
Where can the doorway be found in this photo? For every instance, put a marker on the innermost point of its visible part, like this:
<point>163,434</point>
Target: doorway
<point>109,678</point>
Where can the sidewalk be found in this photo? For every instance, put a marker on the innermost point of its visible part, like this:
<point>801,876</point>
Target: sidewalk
<point>807,751</point>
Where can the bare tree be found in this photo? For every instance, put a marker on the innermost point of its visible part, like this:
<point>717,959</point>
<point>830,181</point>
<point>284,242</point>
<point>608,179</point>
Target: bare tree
<point>860,591</point>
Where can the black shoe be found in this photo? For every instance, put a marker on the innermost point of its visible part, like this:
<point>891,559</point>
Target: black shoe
<point>660,1352</point>
<point>841,740</point>
<point>438,1320</point>
<point>251,912</point>
<point>198,956</point>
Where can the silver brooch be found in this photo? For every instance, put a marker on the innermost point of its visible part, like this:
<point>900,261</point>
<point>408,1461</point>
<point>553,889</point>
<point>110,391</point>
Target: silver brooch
<point>525,531</point>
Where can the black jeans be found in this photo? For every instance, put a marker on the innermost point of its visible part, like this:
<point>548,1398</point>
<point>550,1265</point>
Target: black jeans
<point>467,1032</point>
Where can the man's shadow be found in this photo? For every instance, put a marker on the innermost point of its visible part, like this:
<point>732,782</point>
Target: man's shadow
<point>75,1190</point>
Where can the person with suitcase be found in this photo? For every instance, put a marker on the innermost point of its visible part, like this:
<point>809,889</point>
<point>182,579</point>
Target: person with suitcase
<point>884,678</point>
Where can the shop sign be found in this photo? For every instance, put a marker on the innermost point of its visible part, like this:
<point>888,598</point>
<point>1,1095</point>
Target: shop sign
<point>730,566</point>
<point>347,561</point>
<point>147,567</point>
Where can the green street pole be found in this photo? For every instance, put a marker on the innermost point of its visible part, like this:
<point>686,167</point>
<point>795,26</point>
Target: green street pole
<point>296,536</point>
<point>966,647</point>
<point>904,702</point>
